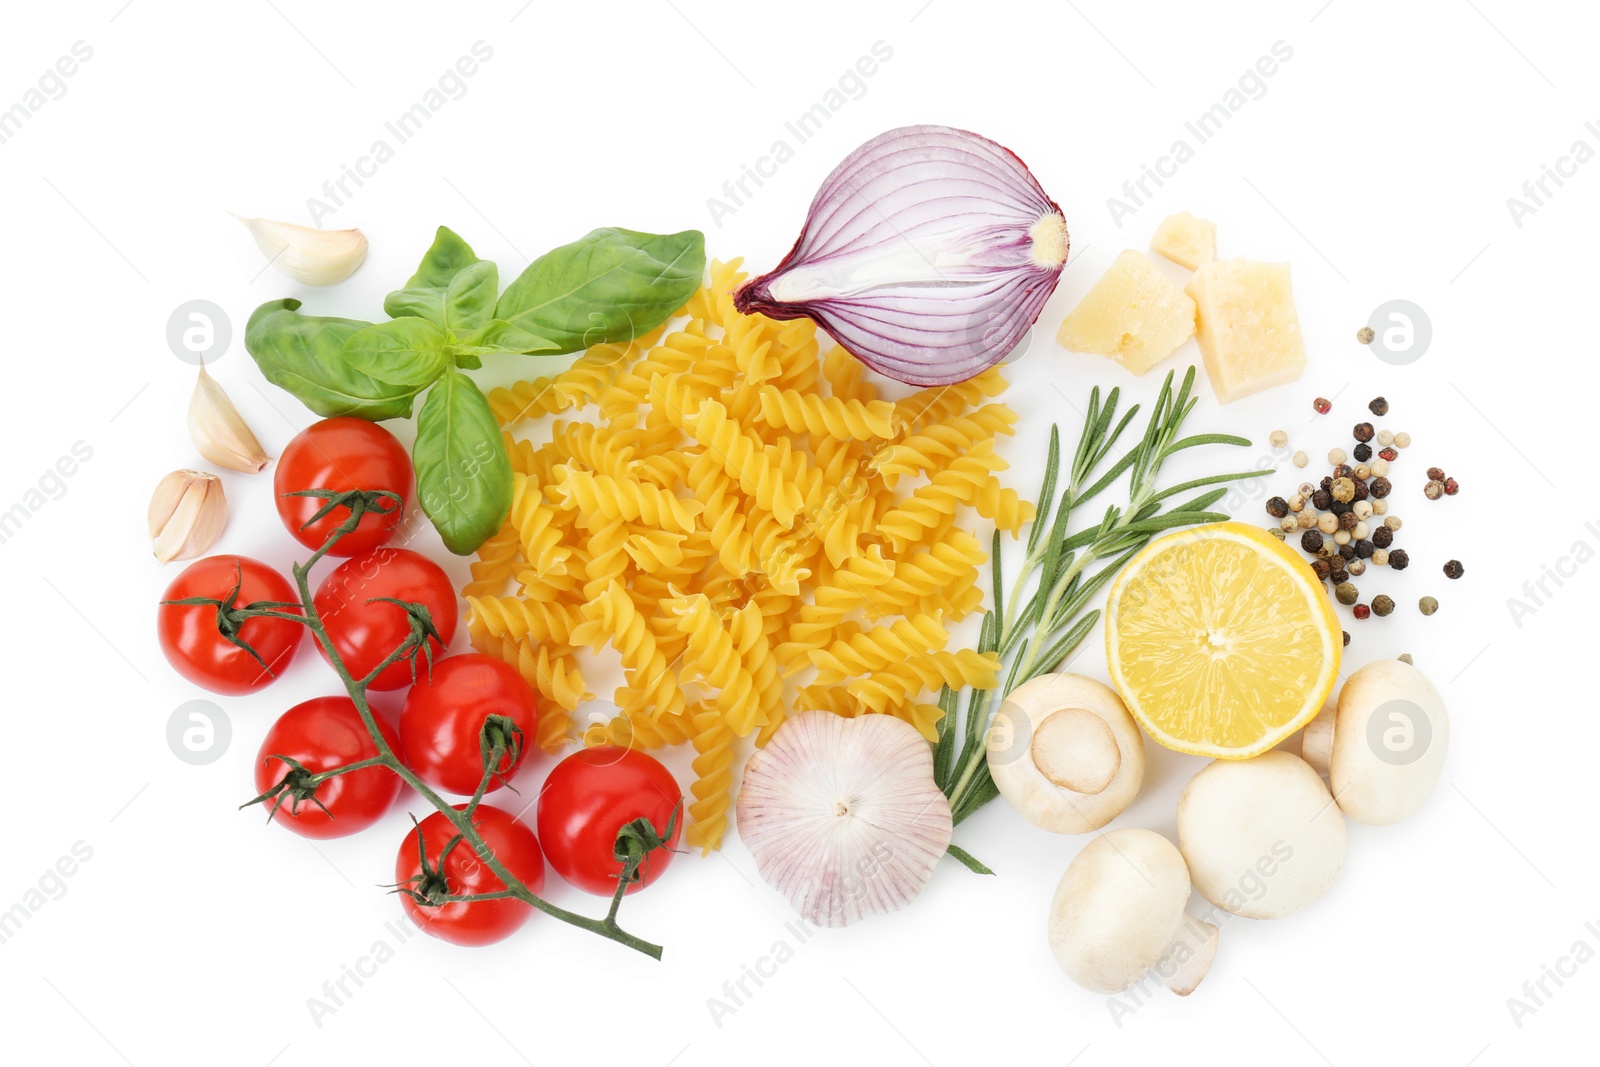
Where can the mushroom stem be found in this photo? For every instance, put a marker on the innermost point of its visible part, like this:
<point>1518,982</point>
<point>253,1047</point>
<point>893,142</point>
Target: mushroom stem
<point>1075,749</point>
<point>1193,949</point>
<point>1316,743</point>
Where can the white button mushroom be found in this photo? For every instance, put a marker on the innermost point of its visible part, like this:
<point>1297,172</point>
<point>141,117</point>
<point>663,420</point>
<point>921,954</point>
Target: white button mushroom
<point>1065,753</point>
<point>1316,741</point>
<point>1262,837</point>
<point>1118,915</point>
<point>1389,742</point>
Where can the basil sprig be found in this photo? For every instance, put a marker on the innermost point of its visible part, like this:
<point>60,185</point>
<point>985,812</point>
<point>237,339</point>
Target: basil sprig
<point>607,287</point>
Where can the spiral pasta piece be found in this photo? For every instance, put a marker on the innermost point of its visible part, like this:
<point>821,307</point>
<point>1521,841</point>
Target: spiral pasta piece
<point>600,495</point>
<point>933,505</point>
<point>612,618</point>
<point>829,416</point>
<point>712,788</point>
<point>523,619</point>
<point>742,456</point>
<point>711,656</point>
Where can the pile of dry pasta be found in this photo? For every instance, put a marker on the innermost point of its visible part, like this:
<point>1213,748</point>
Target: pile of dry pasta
<point>743,509</point>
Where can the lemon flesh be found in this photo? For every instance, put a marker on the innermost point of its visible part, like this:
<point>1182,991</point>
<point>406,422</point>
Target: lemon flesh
<point>1221,640</point>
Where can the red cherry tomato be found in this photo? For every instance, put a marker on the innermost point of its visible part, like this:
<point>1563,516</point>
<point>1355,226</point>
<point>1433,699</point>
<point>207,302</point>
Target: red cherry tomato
<point>591,795</point>
<point>192,638</point>
<point>477,922</point>
<point>441,725</point>
<point>365,633</point>
<point>322,734</point>
<point>340,455</point>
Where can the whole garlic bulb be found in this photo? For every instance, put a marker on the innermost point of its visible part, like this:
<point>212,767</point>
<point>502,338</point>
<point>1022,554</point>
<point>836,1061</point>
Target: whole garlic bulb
<point>843,816</point>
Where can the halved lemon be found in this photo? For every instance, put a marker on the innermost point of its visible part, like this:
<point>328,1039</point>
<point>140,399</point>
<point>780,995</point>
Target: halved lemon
<point>1221,640</point>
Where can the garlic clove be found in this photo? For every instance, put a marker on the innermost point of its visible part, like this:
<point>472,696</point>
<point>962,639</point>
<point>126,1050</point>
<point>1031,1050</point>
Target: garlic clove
<point>312,256</point>
<point>843,816</point>
<point>187,513</point>
<point>219,431</point>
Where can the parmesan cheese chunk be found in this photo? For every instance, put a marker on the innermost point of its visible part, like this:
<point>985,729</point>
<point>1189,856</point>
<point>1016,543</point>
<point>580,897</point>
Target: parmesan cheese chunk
<point>1186,240</point>
<point>1247,327</point>
<point>1132,314</point>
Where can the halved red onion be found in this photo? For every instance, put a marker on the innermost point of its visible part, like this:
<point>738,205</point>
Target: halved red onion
<point>928,253</point>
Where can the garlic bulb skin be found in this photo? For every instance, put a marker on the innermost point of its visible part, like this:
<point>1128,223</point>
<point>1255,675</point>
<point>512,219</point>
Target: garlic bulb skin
<point>308,255</point>
<point>218,430</point>
<point>187,513</point>
<point>843,816</point>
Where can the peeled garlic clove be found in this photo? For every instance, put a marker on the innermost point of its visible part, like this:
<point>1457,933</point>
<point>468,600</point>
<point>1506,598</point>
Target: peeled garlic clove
<point>218,430</point>
<point>843,816</point>
<point>187,513</point>
<point>312,256</point>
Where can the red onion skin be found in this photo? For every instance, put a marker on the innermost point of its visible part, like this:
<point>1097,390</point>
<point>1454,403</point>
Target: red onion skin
<point>929,364</point>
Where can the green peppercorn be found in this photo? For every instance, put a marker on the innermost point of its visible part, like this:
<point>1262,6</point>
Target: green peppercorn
<point>1347,593</point>
<point>1382,605</point>
<point>1399,560</point>
<point>1405,657</point>
<point>1344,490</point>
<point>1279,534</point>
<point>1454,569</point>
<point>1311,541</point>
<point>1277,507</point>
<point>1380,487</point>
<point>1382,537</point>
<point>1427,605</point>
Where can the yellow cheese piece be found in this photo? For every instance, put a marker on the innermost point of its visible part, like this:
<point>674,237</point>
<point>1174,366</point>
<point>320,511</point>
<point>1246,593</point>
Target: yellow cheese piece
<point>1247,327</point>
<point>1186,240</point>
<point>1132,314</point>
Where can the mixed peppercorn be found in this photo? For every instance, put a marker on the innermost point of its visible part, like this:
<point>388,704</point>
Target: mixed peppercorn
<point>1342,521</point>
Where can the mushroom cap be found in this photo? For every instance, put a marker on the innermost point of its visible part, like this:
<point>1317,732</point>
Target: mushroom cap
<point>1118,908</point>
<point>1065,753</point>
<point>1262,837</point>
<point>843,816</point>
<point>1389,742</point>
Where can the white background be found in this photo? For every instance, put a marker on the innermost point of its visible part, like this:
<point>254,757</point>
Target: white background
<point>1378,162</point>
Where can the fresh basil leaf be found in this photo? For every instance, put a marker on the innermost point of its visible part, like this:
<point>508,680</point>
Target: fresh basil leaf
<point>466,358</point>
<point>500,336</point>
<point>401,351</point>
<point>470,297</point>
<point>304,354</point>
<point>610,286</point>
<point>463,472</point>
<point>448,256</point>
<point>424,304</point>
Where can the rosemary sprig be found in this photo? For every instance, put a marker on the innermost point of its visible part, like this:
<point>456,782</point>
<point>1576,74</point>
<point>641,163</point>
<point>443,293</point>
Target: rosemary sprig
<point>1042,619</point>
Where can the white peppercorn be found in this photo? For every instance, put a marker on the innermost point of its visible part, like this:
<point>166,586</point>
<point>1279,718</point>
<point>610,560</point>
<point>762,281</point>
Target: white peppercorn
<point>1327,522</point>
<point>1363,471</point>
<point>1301,459</point>
<point>1380,507</point>
<point>1380,557</point>
<point>1336,456</point>
<point>1341,537</point>
<point>1297,503</point>
<point>1393,522</point>
<point>1307,519</point>
<point>1380,468</point>
<point>1360,532</point>
<point>1278,438</point>
<point>1288,523</point>
<point>1385,438</point>
<point>1402,440</point>
<point>1363,508</point>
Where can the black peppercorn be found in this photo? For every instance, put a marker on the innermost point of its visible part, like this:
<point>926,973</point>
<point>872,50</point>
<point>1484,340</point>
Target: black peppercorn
<point>1382,537</point>
<point>1347,552</point>
<point>1362,452</point>
<point>1327,483</point>
<point>1399,560</point>
<point>1346,634</point>
<point>1348,520</point>
<point>1364,548</point>
<point>1343,470</point>
<point>1380,487</point>
<point>1321,499</point>
<point>1338,507</point>
<point>1311,540</point>
<point>1363,431</point>
<point>1378,406</point>
<point>1362,491</point>
<point>1454,569</point>
<point>1320,568</point>
<point>1277,507</point>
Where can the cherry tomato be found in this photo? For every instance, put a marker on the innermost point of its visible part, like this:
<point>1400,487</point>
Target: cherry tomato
<point>591,795</point>
<point>366,633</point>
<point>477,922</point>
<point>192,636</point>
<point>340,455</point>
<point>322,734</point>
<point>443,719</point>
